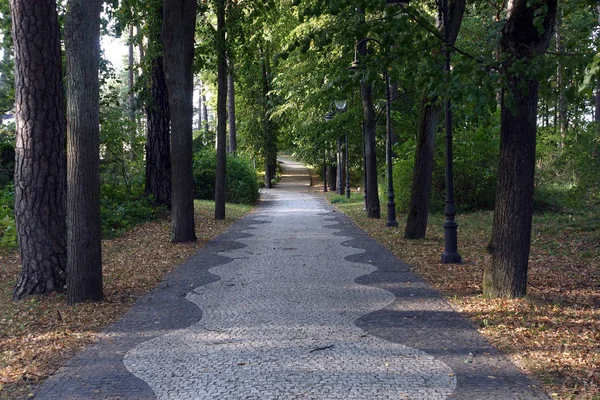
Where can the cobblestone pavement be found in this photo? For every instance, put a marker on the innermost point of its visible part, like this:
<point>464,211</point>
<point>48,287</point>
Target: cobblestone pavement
<point>293,302</point>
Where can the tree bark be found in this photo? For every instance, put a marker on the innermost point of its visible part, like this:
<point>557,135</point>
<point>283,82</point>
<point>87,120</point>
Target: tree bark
<point>339,176</point>
<point>179,21</point>
<point>130,63</point>
<point>332,177</point>
<point>506,274</point>
<point>221,112</point>
<point>269,146</point>
<point>40,169</point>
<point>158,157</point>
<point>84,256</point>
<point>231,109</point>
<point>418,210</point>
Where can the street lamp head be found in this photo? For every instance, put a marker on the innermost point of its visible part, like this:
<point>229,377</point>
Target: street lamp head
<point>340,105</point>
<point>355,64</point>
<point>329,116</point>
<point>402,3</point>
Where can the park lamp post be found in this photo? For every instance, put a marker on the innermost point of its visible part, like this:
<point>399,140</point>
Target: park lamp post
<point>341,107</point>
<point>450,254</point>
<point>328,117</point>
<point>391,205</point>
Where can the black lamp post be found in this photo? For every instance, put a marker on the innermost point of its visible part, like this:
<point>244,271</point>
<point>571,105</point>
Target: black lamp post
<point>341,107</point>
<point>450,254</point>
<point>391,205</point>
<point>328,117</point>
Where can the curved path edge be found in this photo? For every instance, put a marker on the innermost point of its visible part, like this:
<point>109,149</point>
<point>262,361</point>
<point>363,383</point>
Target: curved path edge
<point>418,317</point>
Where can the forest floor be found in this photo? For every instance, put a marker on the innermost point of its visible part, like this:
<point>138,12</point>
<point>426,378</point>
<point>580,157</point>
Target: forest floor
<point>40,333</point>
<point>553,334</point>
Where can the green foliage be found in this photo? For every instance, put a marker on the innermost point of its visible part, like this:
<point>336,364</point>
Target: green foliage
<point>8,230</point>
<point>241,185</point>
<point>7,154</point>
<point>121,209</point>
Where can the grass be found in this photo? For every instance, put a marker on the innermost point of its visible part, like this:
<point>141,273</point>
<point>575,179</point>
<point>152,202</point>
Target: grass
<point>553,334</point>
<point>40,333</point>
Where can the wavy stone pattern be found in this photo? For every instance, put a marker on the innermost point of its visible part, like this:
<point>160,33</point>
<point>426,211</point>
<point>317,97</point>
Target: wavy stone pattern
<point>280,324</point>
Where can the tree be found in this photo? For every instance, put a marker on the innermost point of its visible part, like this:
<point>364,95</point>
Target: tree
<point>525,36</point>
<point>221,111</point>
<point>158,157</point>
<point>84,258</point>
<point>40,179</point>
<point>416,219</point>
<point>179,19</point>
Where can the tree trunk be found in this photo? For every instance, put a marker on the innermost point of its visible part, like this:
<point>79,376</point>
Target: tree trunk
<point>418,209</point>
<point>40,170</point>
<point>339,176</point>
<point>84,256</point>
<point>231,109</point>
<point>200,106</point>
<point>158,157</point>
<point>560,84</point>
<point>179,21</point>
<point>269,147</point>
<point>221,112</point>
<point>332,177</point>
<point>506,274</point>
<point>130,63</point>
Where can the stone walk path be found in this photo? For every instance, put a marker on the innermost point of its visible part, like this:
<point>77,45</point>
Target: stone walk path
<point>293,302</point>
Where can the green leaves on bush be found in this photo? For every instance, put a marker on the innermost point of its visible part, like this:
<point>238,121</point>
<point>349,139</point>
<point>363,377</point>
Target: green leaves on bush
<point>8,230</point>
<point>241,185</point>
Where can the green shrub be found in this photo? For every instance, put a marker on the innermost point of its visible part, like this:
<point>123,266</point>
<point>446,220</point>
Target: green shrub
<point>241,185</point>
<point>475,171</point>
<point>122,209</point>
<point>8,231</point>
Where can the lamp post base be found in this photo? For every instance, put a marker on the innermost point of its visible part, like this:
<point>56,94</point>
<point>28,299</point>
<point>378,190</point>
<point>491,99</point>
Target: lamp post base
<point>450,254</point>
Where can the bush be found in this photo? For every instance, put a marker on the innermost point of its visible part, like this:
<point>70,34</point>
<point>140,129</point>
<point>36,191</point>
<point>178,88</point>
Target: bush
<point>122,209</point>
<point>241,185</point>
<point>8,230</point>
<point>475,171</point>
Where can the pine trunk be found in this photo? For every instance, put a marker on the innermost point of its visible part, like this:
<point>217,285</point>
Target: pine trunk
<point>158,157</point>
<point>40,169</point>
<point>231,110</point>
<point>179,21</point>
<point>221,112</point>
<point>82,43</point>
<point>506,274</point>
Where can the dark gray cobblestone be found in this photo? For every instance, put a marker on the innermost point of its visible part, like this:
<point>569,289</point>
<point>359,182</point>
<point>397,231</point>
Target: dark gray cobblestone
<point>293,302</point>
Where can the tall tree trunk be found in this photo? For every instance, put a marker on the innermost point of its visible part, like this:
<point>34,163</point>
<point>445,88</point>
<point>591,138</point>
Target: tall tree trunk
<point>130,63</point>
<point>597,96</point>
<point>231,109</point>
<point>332,177</point>
<point>506,274</point>
<point>221,112</point>
<point>158,157</point>
<point>200,106</point>
<point>560,83</point>
<point>84,256</point>
<point>40,170</point>
<point>269,147</point>
<point>179,21</point>
<point>416,221</point>
<point>339,176</point>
